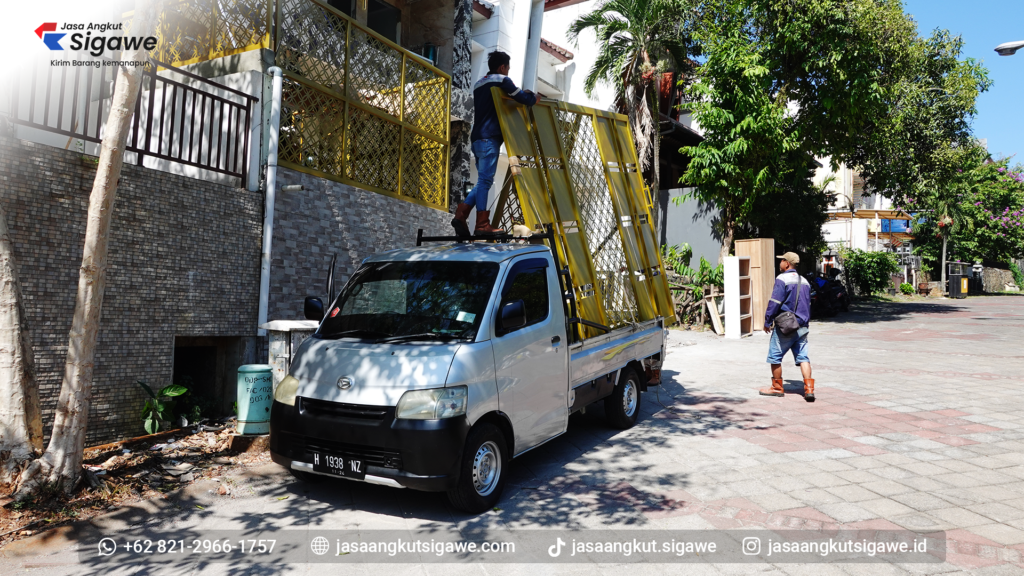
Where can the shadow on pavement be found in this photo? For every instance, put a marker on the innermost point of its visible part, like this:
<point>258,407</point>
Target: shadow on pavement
<point>870,311</point>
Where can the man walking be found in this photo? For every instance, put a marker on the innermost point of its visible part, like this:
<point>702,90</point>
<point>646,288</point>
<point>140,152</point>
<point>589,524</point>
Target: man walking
<point>486,141</point>
<point>791,294</point>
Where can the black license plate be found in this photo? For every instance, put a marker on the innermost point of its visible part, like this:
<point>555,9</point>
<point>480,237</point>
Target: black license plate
<point>337,465</point>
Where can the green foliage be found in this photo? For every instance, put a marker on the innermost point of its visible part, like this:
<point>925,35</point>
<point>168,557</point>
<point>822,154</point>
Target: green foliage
<point>907,289</point>
<point>869,272</point>
<point>678,258</point>
<point>984,205</point>
<point>786,80</point>
<point>637,40</point>
<point>159,405</point>
<point>1018,276</point>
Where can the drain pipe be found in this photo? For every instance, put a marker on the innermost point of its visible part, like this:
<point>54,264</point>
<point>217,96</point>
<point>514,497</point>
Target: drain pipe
<point>268,212</point>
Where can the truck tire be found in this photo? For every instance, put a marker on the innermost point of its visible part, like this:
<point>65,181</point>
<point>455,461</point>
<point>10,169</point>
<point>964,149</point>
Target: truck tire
<point>482,470</point>
<point>623,406</point>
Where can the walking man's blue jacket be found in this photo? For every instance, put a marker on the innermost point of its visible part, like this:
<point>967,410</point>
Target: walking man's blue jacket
<point>784,298</point>
<point>485,116</point>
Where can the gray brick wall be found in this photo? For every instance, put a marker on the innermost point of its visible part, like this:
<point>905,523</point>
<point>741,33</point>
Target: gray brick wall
<point>327,218</point>
<point>184,261</point>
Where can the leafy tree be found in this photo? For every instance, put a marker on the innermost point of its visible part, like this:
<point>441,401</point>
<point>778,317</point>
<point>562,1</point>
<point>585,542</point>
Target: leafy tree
<point>869,272</point>
<point>748,133</point>
<point>637,41</point>
<point>845,79</point>
<point>911,149</point>
<point>989,209</point>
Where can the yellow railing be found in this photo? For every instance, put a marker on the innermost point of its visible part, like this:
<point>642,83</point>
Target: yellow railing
<point>360,109</point>
<point>356,107</point>
<point>193,31</point>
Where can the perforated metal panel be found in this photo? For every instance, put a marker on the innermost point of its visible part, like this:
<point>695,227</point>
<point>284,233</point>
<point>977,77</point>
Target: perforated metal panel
<point>575,168</point>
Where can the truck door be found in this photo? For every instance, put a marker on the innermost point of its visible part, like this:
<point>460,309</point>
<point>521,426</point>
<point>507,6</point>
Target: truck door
<point>530,361</point>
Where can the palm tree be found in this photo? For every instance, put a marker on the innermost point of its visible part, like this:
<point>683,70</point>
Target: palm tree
<point>638,40</point>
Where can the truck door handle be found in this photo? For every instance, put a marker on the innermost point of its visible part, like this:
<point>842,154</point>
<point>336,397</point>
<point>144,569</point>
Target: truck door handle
<point>556,339</point>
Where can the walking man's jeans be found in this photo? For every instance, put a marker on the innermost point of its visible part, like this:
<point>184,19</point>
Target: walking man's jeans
<point>486,154</point>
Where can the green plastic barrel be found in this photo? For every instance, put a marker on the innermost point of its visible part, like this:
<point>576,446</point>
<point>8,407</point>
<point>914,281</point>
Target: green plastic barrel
<point>255,395</point>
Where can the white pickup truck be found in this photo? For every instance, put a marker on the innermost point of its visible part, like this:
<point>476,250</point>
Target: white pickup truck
<point>437,365</point>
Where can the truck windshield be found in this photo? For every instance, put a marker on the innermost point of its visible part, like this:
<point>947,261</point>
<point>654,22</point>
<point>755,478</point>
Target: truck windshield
<point>410,301</point>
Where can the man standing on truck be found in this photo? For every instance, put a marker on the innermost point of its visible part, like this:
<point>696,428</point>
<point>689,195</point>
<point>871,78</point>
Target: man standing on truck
<point>486,141</point>
<point>787,298</point>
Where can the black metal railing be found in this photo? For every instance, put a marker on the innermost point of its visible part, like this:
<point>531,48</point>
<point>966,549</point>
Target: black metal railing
<point>195,122</point>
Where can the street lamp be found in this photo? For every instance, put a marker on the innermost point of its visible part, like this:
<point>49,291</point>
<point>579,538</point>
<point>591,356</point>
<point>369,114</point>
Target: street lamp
<point>1009,48</point>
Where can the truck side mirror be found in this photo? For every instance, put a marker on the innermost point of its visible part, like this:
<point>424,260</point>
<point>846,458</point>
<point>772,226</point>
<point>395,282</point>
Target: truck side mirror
<point>513,315</point>
<point>313,308</point>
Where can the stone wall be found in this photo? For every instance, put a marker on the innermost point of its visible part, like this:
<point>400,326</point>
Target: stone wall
<point>997,280</point>
<point>327,218</point>
<point>184,261</point>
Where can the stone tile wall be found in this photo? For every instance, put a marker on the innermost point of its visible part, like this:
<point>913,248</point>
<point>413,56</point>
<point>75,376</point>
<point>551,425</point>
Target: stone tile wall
<point>327,218</point>
<point>184,261</point>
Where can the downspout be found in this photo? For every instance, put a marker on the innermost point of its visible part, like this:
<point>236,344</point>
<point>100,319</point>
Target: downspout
<point>268,212</point>
<point>533,45</point>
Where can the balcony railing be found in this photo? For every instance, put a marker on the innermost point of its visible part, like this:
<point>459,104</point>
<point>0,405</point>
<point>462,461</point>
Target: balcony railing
<point>356,107</point>
<point>190,121</point>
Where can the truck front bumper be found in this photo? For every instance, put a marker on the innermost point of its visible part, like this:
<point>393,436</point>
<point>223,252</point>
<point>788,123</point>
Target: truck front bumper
<point>417,454</point>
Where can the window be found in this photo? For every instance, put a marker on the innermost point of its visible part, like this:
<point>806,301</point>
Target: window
<point>528,281</point>
<point>390,300</point>
<point>346,7</point>
<point>383,19</point>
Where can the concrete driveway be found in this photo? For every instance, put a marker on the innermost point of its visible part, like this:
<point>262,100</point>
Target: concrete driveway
<point>918,426</point>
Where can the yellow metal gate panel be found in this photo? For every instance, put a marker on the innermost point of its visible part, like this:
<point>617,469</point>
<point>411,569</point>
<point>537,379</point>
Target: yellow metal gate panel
<point>538,169</point>
<point>622,191</point>
<point>575,168</point>
<point>657,280</point>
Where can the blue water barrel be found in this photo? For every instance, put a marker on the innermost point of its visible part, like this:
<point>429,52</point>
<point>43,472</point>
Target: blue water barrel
<point>255,395</point>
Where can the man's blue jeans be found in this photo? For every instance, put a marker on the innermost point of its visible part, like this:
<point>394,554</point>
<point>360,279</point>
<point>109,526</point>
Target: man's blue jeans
<point>486,154</point>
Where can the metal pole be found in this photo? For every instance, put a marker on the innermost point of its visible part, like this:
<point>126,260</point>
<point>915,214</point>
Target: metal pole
<point>533,45</point>
<point>268,213</point>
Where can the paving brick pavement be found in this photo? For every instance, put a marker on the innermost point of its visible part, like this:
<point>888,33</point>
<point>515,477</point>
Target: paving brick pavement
<point>918,425</point>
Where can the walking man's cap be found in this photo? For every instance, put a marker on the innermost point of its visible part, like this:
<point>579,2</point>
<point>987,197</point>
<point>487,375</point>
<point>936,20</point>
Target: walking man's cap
<point>790,257</point>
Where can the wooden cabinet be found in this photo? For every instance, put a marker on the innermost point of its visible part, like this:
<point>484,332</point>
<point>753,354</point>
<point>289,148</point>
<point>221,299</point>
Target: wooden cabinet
<point>761,252</point>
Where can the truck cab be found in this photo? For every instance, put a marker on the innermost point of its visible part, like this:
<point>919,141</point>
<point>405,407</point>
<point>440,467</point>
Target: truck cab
<point>437,365</point>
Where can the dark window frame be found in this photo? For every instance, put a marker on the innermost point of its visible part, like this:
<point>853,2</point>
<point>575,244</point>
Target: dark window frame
<point>527,265</point>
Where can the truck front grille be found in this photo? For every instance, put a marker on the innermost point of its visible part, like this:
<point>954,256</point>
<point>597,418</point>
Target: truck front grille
<point>327,409</point>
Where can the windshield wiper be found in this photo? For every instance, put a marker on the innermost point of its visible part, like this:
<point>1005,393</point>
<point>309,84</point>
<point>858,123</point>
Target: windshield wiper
<point>423,336</point>
<point>367,333</point>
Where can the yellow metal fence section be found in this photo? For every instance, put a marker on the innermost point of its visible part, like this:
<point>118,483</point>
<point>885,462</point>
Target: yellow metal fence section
<point>356,107</point>
<point>575,168</point>
<point>360,109</point>
<point>191,31</point>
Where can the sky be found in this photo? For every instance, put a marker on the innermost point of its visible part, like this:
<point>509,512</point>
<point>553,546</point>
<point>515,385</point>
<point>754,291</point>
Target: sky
<point>985,24</point>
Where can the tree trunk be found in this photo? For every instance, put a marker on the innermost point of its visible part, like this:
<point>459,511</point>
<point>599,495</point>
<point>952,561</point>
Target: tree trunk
<point>61,464</point>
<point>728,233</point>
<point>21,424</point>
<point>656,171</point>
<point>942,285</point>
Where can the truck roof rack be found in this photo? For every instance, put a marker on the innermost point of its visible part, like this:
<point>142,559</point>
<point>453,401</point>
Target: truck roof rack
<point>548,234</point>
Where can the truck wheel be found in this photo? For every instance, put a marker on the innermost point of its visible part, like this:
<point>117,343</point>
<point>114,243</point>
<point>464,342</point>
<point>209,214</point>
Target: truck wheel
<point>623,406</point>
<point>482,470</point>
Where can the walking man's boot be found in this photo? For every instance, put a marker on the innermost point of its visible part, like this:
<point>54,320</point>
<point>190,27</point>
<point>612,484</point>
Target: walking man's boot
<point>775,390</point>
<point>483,224</point>
<point>809,389</point>
<point>459,222</point>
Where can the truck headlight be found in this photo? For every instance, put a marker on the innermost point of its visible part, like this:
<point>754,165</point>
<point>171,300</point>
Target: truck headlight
<point>433,404</point>
<point>286,390</point>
